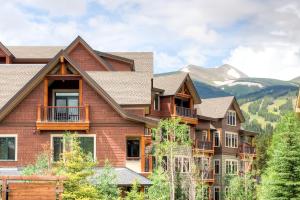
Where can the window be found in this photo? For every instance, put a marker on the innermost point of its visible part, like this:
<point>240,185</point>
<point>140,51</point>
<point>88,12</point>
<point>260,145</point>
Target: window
<point>217,193</point>
<point>182,164</point>
<point>231,118</point>
<point>231,166</point>
<point>204,136</point>
<point>2,60</point>
<point>133,148</point>
<point>86,142</point>
<point>217,139</point>
<point>156,102</point>
<point>217,166</point>
<point>8,147</point>
<point>231,140</point>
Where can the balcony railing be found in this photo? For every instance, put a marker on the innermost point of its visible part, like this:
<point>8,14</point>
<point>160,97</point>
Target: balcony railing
<point>185,112</point>
<point>247,149</point>
<point>205,145</point>
<point>206,175</point>
<point>63,117</point>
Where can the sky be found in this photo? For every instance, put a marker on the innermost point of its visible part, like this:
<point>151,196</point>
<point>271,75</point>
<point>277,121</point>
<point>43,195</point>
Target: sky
<point>259,37</point>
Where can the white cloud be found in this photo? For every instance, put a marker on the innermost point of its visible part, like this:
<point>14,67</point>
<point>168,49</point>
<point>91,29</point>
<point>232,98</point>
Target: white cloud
<point>281,62</point>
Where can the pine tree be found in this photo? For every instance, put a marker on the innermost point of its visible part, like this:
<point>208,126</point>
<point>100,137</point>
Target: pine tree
<point>107,184</point>
<point>281,179</point>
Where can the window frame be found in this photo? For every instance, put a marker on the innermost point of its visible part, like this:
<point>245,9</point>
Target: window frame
<point>214,143</point>
<point>181,160</point>
<point>231,113</point>
<point>219,168</point>
<point>158,102</point>
<point>233,136</point>
<point>231,161</point>
<point>16,146</point>
<point>133,138</point>
<point>219,188</point>
<point>64,146</point>
<point>204,135</point>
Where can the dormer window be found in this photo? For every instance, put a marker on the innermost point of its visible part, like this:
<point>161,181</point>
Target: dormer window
<point>231,118</point>
<point>156,102</point>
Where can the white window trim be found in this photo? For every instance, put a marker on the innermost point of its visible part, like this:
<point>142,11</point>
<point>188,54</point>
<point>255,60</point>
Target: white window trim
<point>204,133</point>
<point>218,132</point>
<point>16,146</point>
<point>154,105</point>
<point>79,135</point>
<point>237,139</point>
<point>237,166</point>
<point>182,164</point>
<point>219,191</point>
<point>64,91</point>
<point>231,111</point>
<point>219,166</point>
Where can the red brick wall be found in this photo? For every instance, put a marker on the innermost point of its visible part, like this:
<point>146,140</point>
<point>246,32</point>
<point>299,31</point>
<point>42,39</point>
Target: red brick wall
<point>85,59</point>
<point>110,129</point>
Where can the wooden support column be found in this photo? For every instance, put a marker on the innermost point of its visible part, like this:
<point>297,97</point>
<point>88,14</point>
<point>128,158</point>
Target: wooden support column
<point>87,113</point>
<point>80,92</point>
<point>39,113</point>
<point>143,161</point>
<point>45,98</point>
<point>208,135</point>
<point>63,69</point>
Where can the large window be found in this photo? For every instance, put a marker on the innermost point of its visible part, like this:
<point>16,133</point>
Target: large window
<point>217,193</point>
<point>156,102</point>
<point>231,166</point>
<point>59,145</point>
<point>231,118</point>
<point>217,166</point>
<point>231,140</point>
<point>133,148</point>
<point>182,164</point>
<point>8,150</point>
<point>216,138</point>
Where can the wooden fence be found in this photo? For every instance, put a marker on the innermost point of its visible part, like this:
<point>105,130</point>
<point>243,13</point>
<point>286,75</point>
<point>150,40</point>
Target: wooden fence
<point>31,187</point>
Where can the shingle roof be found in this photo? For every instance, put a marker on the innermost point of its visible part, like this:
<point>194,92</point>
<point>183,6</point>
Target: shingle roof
<point>169,82</point>
<point>126,88</point>
<point>13,78</point>
<point>214,107</point>
<point>126,177</point>
<point>34,51</point>
<point>143,60</point>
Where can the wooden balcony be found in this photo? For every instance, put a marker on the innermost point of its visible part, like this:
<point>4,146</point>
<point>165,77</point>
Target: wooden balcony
<point>206,176</point>
<point>63,118</point>
<point>247,151</point>
<point>203,148</point>
<point>187,114</point>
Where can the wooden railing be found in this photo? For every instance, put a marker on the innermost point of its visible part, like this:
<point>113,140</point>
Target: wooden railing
<point>63,114</point>
<point>206,174</point>
<point>247,149</point>
<point>185,112</point>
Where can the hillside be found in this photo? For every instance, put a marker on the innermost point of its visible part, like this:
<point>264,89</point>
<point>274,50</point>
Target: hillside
<point>262,100</point>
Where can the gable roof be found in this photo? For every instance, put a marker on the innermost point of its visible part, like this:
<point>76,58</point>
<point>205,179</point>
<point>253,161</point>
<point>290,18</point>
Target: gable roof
<point>126,88</point>
<point>172,82</point>
<point>6,51</point>
<point>14,77</point>
<point>28,85</point>
<point>218,107</point>
<point>36,52</point>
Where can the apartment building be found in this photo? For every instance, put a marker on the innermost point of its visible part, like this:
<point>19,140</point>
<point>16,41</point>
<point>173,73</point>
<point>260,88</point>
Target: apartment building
<point>232,147</point>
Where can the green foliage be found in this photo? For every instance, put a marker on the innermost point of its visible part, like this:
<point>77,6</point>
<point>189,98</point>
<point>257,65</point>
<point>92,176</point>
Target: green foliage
<point>254,106</point>
<point>42,166</point>
<point>107,184</point>
<point>160,188</point>
<point>287,107</point>
<point>202,191</point>
<point>180,192</point>
<point>253,125</point>
<point>241,188</point>
<point>281,179</point>
<point>135,193</point>
<point>77,167</point>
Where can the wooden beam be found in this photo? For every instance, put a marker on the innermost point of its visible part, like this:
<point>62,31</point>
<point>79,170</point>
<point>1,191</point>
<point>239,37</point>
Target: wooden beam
<point>63,69</point>
<point>80,92</point>
<point>87,113</point>
<point>64,77</point>
<point>39,113</point>
<point>143,161</point>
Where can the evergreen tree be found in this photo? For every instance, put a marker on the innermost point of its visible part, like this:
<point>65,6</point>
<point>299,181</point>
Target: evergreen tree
<point>107,184</point>
<point>160,188</point>
<point>77,167</point>
<point>281,179</point>
<point>135,193</point>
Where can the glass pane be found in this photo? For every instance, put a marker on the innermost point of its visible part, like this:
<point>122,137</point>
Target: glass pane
<point>66,94</point>
<point>87,145</point>
<point>57,148</point>
<point>7,148</point>
<point>133,148</point>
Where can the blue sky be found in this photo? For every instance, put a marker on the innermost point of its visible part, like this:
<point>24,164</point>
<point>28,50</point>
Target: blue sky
<point>258,37</point>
